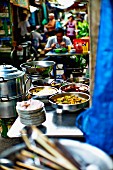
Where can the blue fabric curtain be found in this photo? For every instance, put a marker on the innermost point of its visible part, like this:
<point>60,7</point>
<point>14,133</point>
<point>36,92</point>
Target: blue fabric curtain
<point>97,122</point>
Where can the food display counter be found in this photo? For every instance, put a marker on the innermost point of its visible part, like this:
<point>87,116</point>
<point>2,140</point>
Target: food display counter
<point>56,125</point>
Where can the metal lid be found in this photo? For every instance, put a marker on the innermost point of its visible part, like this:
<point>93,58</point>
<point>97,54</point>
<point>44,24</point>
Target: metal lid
<point>10,72</point>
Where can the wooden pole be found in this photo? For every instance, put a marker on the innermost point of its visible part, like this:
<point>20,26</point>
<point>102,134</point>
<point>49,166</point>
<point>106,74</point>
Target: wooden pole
<point>94,15</point>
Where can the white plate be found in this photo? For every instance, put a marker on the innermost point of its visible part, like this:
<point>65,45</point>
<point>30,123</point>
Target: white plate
<point>90,154</point>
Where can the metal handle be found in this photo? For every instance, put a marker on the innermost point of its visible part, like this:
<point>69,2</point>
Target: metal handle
<point>2,79</point>
<point>4,98</point>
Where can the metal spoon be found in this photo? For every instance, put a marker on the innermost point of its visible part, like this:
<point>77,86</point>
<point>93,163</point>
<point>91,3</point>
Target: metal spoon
<point>6,162</point>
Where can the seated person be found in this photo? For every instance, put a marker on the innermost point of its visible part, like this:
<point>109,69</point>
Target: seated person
<point>57,41</point>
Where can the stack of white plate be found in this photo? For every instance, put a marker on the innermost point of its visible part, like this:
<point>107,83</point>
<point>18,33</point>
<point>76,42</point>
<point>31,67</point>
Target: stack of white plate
<point>31,116</point>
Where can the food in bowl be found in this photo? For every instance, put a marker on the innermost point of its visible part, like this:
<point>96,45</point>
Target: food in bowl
<point>43,91</point>
<point>79,80</point>
<point>60,50</point>
<point>64,50</point>
<point>58,83</point>
<point>74,87</point>
<point>72,99</point>
<point>42,82</point>
<point>57,50</point>
<point>38,67</point>
<point>63,101</point>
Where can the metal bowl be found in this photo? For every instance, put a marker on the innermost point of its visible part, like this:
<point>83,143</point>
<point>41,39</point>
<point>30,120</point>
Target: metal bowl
<point>79,80</point>
<point>75,87</point>
<point>43,68</point>
<point>42,82</point>
<point>69,107</point>
<point>44,89</point>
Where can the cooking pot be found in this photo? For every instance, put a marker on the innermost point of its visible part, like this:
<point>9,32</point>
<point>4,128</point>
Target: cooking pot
<point>42,68</point>
<point>12,89</point>
<point>8,106</point>
<point>12,81</point>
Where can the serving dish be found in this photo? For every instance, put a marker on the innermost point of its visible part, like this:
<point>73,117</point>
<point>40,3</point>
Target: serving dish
<point>75,87</point>
<point>42,93</point>
<point>58,83</point>
<point>43,68</point>
<point>67,106</point>
<point>49,82</point>
<point>60,50</point>
<point>78,80</point>
<point>42,82</point>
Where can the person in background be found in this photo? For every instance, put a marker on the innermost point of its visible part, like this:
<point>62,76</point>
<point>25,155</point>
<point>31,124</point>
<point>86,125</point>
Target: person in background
<point>57,41</point>
<point>86,16</point>
<point>35,37</point>
<point>50,27</point>
<point>24,27</point>
<point>71,27</point>
<point>79,17</point>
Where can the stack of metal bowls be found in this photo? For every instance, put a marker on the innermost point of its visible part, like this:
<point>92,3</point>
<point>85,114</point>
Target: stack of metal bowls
<point>31,116</point>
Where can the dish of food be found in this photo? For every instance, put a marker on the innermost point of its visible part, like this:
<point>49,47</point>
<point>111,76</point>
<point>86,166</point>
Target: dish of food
<point>60,50</point>
<point>42,82</point>
<point>79,80</point>
<point>72,99</point>
<point>75,87</point>
<point>58,83</point>
<point>42,91</point>
<point>69,101</point>
<point>43,68</point>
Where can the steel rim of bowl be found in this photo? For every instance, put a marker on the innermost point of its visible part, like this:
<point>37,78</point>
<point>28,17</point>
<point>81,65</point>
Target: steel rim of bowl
<point>42,96</point>
<point>73,84</point>
<point>67,93</point>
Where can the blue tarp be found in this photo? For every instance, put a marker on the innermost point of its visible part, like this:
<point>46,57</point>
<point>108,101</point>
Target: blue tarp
<point>97,122</point>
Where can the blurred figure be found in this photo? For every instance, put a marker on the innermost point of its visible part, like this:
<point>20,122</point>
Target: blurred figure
<point>58,41</point>
<point>71,27</point>
<point>86,17</point>
<point>35,37</point>
<point>51,25</point>
<point>24,26</point>
<point>79,17</point>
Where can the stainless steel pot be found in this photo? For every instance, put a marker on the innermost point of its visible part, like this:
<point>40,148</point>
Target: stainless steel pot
<point>12,89</point>
<point>42,68</point>
<point>12,81</point>
<point>8,106</point>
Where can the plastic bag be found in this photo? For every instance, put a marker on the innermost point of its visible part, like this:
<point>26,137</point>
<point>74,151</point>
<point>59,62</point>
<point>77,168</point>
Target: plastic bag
<point>58,25</point>
<point>97,122</point>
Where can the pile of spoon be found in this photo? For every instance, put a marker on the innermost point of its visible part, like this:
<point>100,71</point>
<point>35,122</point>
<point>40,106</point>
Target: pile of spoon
<point>42,153</point>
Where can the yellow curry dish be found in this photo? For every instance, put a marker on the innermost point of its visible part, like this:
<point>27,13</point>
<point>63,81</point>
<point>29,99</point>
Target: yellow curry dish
<point>72,99</point>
